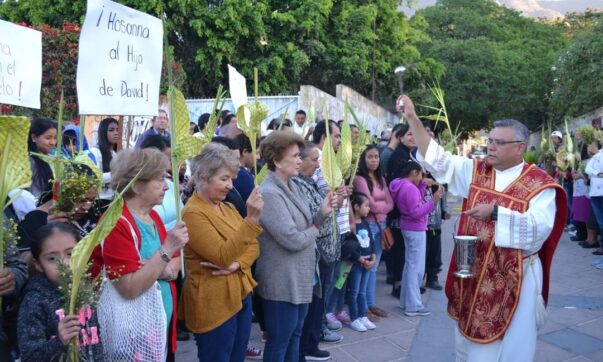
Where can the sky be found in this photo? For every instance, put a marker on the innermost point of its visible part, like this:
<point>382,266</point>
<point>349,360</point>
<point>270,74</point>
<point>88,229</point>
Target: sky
<point>535,8</point>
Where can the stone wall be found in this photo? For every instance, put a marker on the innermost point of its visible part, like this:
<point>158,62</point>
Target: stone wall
<point>323,104</point>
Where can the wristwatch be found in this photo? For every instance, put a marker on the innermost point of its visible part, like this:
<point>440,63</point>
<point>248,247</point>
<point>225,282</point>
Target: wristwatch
<point>494,215</point>
<point>164,255</point>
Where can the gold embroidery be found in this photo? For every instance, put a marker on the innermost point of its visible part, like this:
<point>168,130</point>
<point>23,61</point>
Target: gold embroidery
<point>485,305</point>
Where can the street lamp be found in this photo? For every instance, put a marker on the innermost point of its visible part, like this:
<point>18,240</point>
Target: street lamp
<point>399,71</point>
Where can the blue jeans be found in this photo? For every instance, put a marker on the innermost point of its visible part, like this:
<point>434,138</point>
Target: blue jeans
<point>372,279</point>
<point>228,342</point>
<point>357,284</point>
<point>284,322</point>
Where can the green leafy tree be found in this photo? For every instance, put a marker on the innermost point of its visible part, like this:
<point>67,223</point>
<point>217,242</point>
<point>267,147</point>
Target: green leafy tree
<point>579,75</point>
<point>317,42</point>
<point>498,63</point>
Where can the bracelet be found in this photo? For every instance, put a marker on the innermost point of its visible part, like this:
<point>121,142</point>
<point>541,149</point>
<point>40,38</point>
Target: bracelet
<point>164,255</point>
<point>494,216</point>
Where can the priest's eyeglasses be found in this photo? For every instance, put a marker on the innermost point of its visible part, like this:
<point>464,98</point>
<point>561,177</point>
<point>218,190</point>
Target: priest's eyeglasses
<point>499,143</point>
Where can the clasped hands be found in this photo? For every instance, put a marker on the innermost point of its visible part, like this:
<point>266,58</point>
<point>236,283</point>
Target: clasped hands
<point>221,271</point>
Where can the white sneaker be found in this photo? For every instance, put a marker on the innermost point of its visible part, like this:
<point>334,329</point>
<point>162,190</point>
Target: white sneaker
<point>367,323</point>
<point>358,326</point>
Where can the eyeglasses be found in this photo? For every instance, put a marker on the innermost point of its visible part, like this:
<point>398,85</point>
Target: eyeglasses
<point>498,143</point>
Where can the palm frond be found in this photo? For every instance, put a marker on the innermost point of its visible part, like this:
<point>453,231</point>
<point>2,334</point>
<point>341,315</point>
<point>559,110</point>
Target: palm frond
<point>345,151</point>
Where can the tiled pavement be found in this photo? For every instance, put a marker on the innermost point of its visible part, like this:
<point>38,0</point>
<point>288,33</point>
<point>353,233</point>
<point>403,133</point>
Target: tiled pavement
<point>573,332</point>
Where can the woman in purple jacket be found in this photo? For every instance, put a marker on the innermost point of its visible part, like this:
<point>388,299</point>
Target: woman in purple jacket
<point>408,190</point>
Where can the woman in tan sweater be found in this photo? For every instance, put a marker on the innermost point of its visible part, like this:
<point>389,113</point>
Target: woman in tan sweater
<point>216,298</point>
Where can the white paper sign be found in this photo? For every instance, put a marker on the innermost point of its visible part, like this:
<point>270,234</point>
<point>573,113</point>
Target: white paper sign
<point>20,65</point>
<point>237,86</point>
<point>119,65</point>
<point>238,92</point>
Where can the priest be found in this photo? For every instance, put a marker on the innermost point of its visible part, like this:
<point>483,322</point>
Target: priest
<point>518,213</point>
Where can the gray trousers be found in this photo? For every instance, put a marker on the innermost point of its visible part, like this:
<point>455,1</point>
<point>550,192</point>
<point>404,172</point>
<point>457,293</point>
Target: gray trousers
<point>414,269</point>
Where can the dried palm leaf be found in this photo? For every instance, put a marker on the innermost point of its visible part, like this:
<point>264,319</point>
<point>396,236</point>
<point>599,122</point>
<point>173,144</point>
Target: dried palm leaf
<point>359,146</point>
<point>15,171</point>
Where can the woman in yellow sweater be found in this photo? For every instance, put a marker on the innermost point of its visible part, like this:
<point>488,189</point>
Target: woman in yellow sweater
<point>216,297</point>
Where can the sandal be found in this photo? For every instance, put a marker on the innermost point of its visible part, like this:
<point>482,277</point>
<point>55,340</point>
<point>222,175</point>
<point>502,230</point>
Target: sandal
<point>378,312</point>
<point>598,252</point>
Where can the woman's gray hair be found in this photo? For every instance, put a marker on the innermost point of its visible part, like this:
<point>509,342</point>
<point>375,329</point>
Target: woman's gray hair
<point>521,131</point>
<point>212,158</point>
<point>308,145</point>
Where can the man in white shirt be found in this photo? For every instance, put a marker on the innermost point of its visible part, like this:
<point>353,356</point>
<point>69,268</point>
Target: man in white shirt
<point>300,127</point>
<point>518,213</point>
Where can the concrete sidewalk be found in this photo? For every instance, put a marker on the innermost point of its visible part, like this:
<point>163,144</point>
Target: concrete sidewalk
<point>573,332</point>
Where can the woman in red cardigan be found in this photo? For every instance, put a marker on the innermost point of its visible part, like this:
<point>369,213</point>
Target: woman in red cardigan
<point>139,251</point>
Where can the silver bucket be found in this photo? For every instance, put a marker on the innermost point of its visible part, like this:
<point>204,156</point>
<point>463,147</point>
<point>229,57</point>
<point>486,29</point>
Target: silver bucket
<point>465,246</point>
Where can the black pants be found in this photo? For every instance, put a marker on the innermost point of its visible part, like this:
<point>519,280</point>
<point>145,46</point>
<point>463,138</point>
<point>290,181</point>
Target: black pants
<point>433,255</point>
<point>313,324</point>
<point>310,336</point>
<point>397,255</point>
<point>257,306</point>
<point>580,230</point>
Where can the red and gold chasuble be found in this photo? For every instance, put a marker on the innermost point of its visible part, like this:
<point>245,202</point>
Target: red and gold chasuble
<point>484,305</point>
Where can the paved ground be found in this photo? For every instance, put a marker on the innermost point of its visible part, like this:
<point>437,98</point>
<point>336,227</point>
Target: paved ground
<point>573,332</point>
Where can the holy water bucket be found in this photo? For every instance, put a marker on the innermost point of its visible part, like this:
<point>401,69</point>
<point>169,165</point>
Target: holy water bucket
<point>464,245</point>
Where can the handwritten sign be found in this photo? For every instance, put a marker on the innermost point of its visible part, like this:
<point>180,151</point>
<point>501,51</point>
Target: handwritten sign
<point>20,65</point>
<point>119,65</point>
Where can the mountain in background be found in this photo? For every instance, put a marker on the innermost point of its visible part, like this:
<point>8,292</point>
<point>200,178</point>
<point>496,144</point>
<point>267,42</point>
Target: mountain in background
<point>532,8</point>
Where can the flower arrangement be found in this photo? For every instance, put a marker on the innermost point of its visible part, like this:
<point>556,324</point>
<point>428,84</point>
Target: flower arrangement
<point>86,297</point>
<point>587,134</point>
<point>72,185</point>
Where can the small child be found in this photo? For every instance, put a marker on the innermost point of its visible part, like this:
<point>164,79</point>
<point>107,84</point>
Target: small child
<point>407,190</point>
<point>364,258</point>
<point>44,331</point>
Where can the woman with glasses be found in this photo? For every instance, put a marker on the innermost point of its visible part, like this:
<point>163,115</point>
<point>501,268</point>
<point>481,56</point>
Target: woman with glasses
<point>139,252</point>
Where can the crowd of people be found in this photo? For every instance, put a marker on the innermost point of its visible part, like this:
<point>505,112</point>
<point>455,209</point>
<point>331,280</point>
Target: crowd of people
<point>271,253</point>
<point>584,188</point>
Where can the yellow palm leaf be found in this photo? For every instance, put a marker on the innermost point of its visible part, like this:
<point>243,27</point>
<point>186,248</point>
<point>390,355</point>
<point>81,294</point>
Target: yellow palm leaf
<point>359,146</point>
<point>187,146</point>
<point>17,171</point>
<point>328,163</point>
<point>569,143</point>
<point>83,250</point>
<point>345,151</point>
<point>261,175</point>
